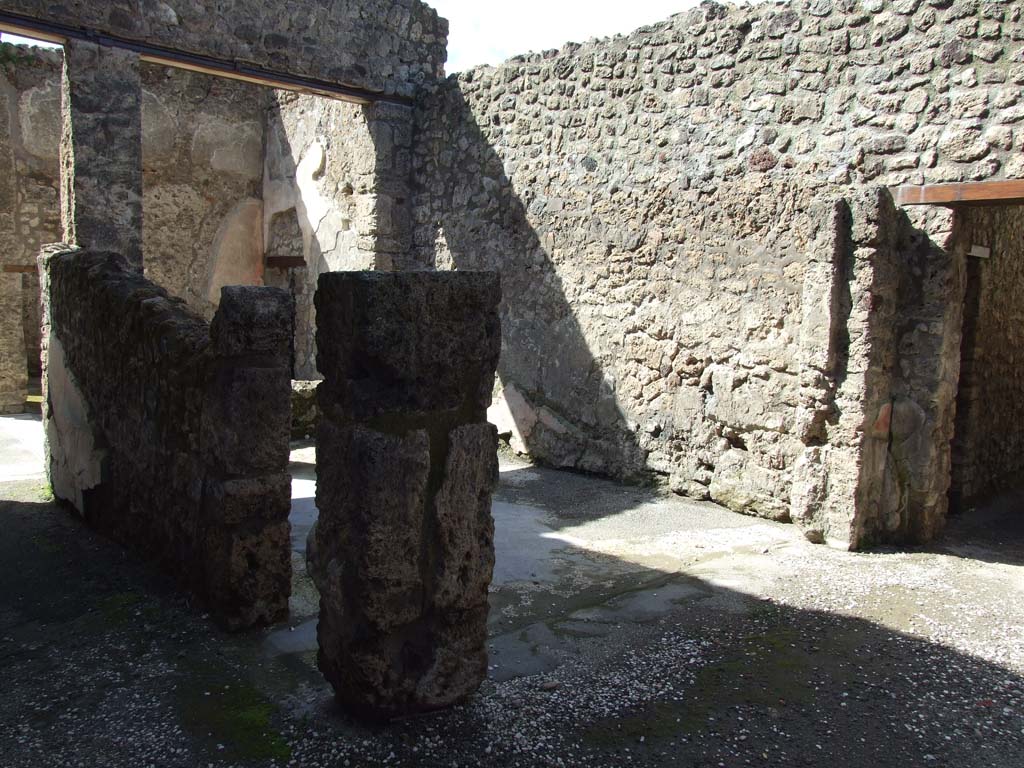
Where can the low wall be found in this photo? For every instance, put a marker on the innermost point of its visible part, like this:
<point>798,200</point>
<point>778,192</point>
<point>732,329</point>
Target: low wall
<point>170,434</point>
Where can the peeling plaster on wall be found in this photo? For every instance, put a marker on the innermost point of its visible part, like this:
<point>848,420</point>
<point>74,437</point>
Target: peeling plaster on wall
<point>237,254</point>
<point>75,459</point>
<point>203,168</point>
<point>319,162</point>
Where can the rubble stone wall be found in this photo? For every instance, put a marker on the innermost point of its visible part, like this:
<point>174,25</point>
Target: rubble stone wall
<point>382,45</point>
<point>988,449</point>
<point>650,202</point>
<point>171,434</point>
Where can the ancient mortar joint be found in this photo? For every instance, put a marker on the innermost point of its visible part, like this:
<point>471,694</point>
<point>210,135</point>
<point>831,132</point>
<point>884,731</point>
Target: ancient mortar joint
<point>403,550</point>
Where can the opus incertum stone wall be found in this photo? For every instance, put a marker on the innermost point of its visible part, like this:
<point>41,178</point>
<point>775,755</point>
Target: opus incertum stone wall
<point>171,434</point>
<point>391,46</point>
<point>403,549</point>
<point>650,201</point>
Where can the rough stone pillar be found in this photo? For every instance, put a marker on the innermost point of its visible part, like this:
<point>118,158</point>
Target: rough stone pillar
<point>406,462</point>
<point>101,149</point>
<point>246,427</point>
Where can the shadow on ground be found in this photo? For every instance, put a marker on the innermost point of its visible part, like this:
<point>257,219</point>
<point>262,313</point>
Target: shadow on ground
<point>626,629</point>
<point>992,531</point>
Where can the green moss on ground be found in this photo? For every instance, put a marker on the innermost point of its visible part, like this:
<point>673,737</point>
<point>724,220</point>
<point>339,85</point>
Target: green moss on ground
<point>234,715</point>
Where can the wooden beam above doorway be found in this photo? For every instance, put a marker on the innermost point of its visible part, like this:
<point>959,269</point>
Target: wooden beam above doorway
<point>1004,192</point>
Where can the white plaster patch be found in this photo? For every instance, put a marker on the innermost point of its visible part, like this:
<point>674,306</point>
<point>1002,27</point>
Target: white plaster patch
<point>75,459</point>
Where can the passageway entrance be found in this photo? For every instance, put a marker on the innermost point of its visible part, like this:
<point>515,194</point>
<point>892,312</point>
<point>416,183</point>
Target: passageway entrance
<point>988,441</point>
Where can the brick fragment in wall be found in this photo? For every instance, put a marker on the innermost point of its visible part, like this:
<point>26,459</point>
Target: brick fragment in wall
<point>403,549</point>
<point>169,434</point>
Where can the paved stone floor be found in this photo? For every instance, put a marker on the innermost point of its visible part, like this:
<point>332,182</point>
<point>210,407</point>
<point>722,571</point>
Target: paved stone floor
<point>627,628</point>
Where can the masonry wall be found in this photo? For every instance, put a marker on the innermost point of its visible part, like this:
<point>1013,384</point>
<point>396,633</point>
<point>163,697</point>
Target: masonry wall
<point>988,447</point>
<point>203,181</point>
<point>202,154</point>
<point>320,198</point>
<point>650,202</point>
<point>171,434</point>
<point>383,45</point>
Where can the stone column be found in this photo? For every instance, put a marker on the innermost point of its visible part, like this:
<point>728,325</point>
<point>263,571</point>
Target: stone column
<point>406,462</point>
<point>101,149</point>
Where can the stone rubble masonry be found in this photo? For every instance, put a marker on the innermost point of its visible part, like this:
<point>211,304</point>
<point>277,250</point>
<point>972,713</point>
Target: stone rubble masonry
<point>988,447</point>
<point>336,193</point>
<point>403,550</point>
<point>171,434</point>
<point>101,149</point>
<point>654,203</point>
<point>392,46</point>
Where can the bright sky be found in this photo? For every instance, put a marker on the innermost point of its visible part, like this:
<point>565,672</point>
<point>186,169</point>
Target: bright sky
<point>488,31</point>
<point>6,37</point>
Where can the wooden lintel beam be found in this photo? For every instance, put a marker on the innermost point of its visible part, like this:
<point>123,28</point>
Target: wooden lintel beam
<point>1005,192</point>
<point>55,32</point>
<point>22,268</point>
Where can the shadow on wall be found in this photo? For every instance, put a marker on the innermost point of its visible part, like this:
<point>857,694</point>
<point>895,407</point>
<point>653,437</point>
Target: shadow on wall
<point>320,200</point>
<point>545,358</point>
<point>880,444</point>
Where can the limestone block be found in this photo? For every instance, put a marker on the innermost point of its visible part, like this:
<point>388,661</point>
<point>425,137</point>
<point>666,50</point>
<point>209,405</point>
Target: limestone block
<point>260,500</point>
<point>252,321</point>
<point>305,412</point>
<point>742,485</point>
<point>248,574</point>
<point>463,508</point>
<point>246,422</point>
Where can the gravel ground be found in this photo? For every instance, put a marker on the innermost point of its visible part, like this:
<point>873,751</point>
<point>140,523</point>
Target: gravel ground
<point>651,632</point>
